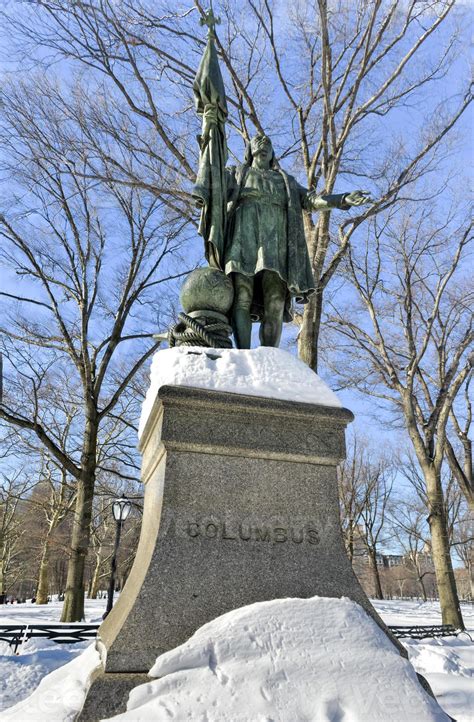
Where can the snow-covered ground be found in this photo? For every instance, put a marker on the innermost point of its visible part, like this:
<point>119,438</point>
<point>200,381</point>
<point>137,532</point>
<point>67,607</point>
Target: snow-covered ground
<point>20,674</point>
<point>448,664</point>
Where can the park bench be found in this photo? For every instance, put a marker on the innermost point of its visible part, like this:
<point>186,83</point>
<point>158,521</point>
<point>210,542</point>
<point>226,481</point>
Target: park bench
<point>17,634</point>
<point>418,631</point>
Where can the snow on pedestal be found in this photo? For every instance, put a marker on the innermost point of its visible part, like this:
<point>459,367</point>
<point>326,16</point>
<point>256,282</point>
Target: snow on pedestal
<point>317,660</point>
<point>264,371</point>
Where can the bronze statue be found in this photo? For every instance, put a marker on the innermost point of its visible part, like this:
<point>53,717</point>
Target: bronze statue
<point>251,217</point>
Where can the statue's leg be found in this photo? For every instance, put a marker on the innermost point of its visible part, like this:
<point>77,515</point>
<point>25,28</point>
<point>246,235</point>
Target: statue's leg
<point>274,294</point>
<point>241,320</point>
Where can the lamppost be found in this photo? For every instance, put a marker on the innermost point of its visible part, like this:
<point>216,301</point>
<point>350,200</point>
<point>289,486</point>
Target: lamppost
<point>121,509</point>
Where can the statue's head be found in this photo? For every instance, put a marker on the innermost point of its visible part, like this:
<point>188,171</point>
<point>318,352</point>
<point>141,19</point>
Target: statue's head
<point>260,145</point>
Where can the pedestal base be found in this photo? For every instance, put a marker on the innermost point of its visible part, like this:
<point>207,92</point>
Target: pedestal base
<point>108,695</point>
<point>241,506</point>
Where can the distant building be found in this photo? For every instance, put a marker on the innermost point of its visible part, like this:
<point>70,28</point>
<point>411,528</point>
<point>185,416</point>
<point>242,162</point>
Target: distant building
<point>392,560</point>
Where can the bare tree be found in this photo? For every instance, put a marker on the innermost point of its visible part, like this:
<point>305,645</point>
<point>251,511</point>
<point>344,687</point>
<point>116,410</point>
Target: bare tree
<point>408,519</point>
<point>350,481</point>
<point>459,455</point>
<point>377,488</point>
<point>409,337</point>
<point>51,495</point>
<point>102,540</point>
<point>53,499</point>
<point>14,486</point>
<point>88,258</point>
<point>463,544</point>
<point>365,486</point>
<point>325,80</point>
<point>103,529</point>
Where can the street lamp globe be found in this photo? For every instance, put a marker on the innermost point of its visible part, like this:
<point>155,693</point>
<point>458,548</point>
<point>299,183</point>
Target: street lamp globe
<point>121,508</point>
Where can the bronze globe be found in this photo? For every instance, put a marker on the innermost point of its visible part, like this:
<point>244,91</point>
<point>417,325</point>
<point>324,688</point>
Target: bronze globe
<point>207,289</point>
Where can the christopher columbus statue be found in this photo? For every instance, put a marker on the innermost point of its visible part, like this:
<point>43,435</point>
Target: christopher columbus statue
<point>251,216</point>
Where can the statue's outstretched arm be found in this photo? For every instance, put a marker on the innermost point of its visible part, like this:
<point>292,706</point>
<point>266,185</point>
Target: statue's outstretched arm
<point>342,201</point>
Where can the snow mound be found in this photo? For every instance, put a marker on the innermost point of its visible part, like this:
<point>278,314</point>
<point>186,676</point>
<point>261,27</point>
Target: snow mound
<point>288,660</point>
<point>431,659</point>
<point>264,371</point>
<point>448,667</point>
<point>60,694</point>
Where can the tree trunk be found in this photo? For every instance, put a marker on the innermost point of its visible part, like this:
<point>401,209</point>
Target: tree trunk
<point>43,574</point>
<point>448,596</point>
<point>375,574</point>
<point>309,332</point>
<point>73,608</point>
<point>418,570</point>
<point>96,576</point>
<point>423,590</point>
<point>318,244</point>
<point>470,572</point>
<point>351,541</point>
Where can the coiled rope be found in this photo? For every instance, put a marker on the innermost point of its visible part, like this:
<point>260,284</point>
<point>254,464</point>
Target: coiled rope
<point>200,331</point>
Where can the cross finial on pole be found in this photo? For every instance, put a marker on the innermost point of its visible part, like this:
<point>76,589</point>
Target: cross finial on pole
<point>211,21</point>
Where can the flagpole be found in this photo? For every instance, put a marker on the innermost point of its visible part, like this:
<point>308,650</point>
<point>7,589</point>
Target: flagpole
<point>211,21</point>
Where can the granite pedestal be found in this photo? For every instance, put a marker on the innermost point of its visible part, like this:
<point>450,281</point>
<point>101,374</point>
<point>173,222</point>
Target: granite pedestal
<point>241,506</point>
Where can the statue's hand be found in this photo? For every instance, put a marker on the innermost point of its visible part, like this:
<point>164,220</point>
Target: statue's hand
<point>358,198</point>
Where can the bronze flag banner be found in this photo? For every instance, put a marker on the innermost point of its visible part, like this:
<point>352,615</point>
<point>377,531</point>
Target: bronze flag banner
<point>210,190</point>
